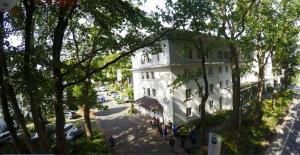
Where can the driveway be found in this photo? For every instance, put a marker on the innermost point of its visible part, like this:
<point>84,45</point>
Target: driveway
<point>287,140</point>
<point>133,134</point>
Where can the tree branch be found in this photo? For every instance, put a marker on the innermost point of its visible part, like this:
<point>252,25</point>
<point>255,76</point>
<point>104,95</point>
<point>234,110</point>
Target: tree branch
<point>124,54</point>
<point>242,22</point>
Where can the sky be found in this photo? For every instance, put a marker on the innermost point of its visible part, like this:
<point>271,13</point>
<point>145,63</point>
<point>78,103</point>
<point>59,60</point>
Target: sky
<point>149,6</point>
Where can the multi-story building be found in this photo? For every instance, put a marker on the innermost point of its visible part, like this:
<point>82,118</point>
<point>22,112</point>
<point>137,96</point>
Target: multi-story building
<point>153,72</point>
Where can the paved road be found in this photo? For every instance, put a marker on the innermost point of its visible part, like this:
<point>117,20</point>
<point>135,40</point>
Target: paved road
<point>287,141</point>
<point>132,133</point>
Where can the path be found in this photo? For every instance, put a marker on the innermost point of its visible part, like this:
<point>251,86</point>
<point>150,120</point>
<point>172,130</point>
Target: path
<point>287,141</point>
<point>132,133</point>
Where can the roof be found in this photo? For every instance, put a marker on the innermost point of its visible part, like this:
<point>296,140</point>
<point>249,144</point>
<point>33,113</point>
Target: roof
<point>149,104</point>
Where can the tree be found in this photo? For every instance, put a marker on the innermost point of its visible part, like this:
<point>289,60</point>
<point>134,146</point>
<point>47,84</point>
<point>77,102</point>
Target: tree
<point>4,101</point>
<point>195,16</point>
<point>228,20</point>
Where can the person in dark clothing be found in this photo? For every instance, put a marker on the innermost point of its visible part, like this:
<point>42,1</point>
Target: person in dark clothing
<point>152,124</point>
<point>193,137</point>
<point>160,131</point>
<point>165,131</point>
<point>111,141</point>
<point>172,143</point>
<point>182,140</point>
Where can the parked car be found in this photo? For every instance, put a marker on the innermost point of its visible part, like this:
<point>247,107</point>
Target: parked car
<point>101,99</point>
<point>115,95</point>
<point>110,92</point>
<point>102,89</point>
<point>5,137</point>
<point>50,129</point>
<point>70,114</point>
<point>73,133</point>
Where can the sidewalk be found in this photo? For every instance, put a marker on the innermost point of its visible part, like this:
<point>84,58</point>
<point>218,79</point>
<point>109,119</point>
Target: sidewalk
<point>285,142</point>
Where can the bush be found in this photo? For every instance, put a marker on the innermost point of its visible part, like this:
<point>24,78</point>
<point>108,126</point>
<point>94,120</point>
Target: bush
<point>97,145</point>
<point>132,109</point>
<point>102,107</point>
<point>119,101</point>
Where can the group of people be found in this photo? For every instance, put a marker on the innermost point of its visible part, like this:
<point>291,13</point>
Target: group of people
<point>165,129</point>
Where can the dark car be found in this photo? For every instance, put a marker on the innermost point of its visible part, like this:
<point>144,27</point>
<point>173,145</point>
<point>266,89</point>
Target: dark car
<point>50,129</point>
<point>73,133</point>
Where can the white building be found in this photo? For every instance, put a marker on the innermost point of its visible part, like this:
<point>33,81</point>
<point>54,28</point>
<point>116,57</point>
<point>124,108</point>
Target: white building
<point>153,73</point>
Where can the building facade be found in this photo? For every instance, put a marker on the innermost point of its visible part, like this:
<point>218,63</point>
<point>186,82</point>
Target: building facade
<point>153,73</point>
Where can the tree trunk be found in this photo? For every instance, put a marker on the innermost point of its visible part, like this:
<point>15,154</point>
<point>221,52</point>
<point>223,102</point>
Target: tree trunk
<point>8,119</point>
<point>30,87</point>
<point>236,88</point>
<point>4,101</point>
<point>205,96</point>
<point>59,32</point>
<point>260,85</point>
<point>86,108</point>
<point>20,118</point>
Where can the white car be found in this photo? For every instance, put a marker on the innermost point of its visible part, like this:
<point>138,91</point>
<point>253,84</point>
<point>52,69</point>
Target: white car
<point>115,95</point>
<point>102,89</point>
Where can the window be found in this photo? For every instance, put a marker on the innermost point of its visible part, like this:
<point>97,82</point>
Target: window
<point>152,75</point>
<point>149,58</point>
<point>144,90</point>
<point>211,104</point>
<point>188,93</point>
<point>142,74</point>
<point>221,84</point>
<point>187,73</point>
<point>210,71</point>
<point>226,55</point>
<point>158,57</point>
<point>226,69</point>
<point>190,54</point>
<point>220,55</point>
<point>147,75</point>
<point>211,88</point>
<point>227,82</point>
<point>188,112</point>
<point>220,69</point>
<point>154,92</point>
<point>143,59</point>
<point>221,102</point>
<point>148,91</point>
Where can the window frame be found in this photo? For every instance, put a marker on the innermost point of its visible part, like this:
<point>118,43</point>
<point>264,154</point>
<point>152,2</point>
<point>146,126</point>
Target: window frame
<point>211,88</point>
<point>211,104</point>
<point>188,94</point>
<point>189,112</point>
<point>148,92</point>
<point>152,75</point>
<point>154,92</point>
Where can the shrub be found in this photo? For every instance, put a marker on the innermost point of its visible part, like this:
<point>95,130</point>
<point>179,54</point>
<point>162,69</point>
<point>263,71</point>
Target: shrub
<point>132,109</point>
<point>96,145</point>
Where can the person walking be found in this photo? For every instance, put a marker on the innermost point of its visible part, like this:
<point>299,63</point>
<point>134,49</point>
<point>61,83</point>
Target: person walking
<point>111,141</point>
<point>151,123</point>
<point>172,143</point>
<point>182,140</point>
<point>160,131</point>
<point>193,137</point>
<point>165,131</point>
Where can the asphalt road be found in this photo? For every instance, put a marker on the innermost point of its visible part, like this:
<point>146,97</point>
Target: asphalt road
<point>287,141</point>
